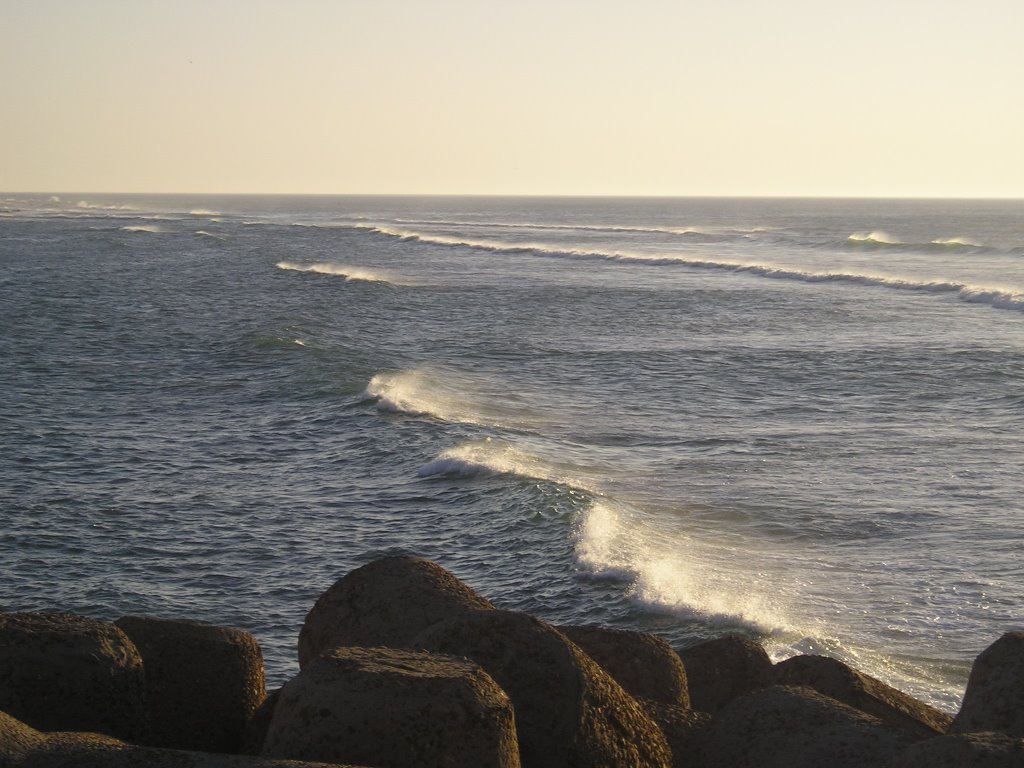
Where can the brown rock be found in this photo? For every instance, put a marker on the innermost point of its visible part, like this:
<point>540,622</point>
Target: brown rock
<point>896,709</point>
<point>76,751</point>
<point>964,750</point>
<point>644,665</point>
<point>684,729</point>
<point>385,603</point>
<point>568,710</point>
<point>994,700</point>
<point>256,728</point>
<point>203,682</point>
<point>787,727</point>
<point>717,671</point>
<point>16,739</point>
<point>390,707</point>
<point>60,672</point>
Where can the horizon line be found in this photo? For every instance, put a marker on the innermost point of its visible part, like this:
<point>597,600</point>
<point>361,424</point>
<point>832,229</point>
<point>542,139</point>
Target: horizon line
<point>596,196</point>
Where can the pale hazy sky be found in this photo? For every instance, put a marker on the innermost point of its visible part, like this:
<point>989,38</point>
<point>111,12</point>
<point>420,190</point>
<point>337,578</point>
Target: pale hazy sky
<point>648,97</point>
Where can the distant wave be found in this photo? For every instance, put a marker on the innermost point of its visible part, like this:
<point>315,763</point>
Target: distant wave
<point>85,205</point>
<point>347,272</point>
<point>203,212</point>
<point>690,231</point>
<point>1000,298</point>
<point>489,456</point>
<point>204,233</point>
<point>152,229</point>
<point>880,239</point>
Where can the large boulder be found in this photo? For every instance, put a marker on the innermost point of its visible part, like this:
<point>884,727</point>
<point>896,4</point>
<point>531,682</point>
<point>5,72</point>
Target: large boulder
<point>16,740</point>
<point>719,670</point>
<point>393,709</point>
<point>385,603</point>
<point>203,682</point>
<point>964,750</point>
<point>81,751</point>
<point>256,727</point>
<point>684,729</point>
<point>896,709</point>
<point>60,672</point>
<point>644,665</point>
<point>994,700</point>
<point>788,727</point>
<point>568,710</point>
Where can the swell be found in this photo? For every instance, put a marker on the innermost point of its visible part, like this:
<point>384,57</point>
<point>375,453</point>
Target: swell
<point>999,298</point>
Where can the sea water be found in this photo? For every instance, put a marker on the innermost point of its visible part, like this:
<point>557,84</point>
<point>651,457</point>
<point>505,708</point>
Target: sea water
<point>800,420</point>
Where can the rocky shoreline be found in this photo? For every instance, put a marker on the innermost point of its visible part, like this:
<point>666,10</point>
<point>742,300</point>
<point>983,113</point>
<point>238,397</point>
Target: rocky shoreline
<point>403,665</point>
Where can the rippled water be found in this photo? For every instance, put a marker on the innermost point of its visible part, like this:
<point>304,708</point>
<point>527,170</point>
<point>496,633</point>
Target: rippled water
<point>802,420</point>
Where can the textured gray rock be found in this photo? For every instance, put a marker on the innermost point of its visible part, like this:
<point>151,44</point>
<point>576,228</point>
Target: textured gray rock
<point>203,682</point>
<point>896,709</point>
<point>644,665</point>
<point>684,729</point>
<point>964,750</point>
<point>719,670</point>
<point>385,603</point>
<point>569,711</point>
<point>16,739</point>
<point>788,727</point>
<point>393,708</point>
<point>60,672</point>
<point>994,700</point>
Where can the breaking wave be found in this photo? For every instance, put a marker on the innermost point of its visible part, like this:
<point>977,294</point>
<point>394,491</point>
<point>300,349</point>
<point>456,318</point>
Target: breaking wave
<point>880,239</point>
<point>709,233</point>
<point>203,212</point>
<point>347,272</point>
<point>152,229</point>
<point>489,456</point>
<point>997,297</point>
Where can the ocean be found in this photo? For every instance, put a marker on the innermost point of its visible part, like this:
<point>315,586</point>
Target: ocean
<point>800,420</point>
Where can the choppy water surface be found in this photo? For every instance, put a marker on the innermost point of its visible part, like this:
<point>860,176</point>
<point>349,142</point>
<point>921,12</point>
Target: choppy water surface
<point>801,420</point>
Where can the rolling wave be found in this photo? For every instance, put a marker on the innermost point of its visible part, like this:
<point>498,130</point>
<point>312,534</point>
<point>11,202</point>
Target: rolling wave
<point>994,296</point>
<point>347,272</point>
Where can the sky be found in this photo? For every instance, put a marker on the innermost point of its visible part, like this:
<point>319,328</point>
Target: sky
<point>915,98</point>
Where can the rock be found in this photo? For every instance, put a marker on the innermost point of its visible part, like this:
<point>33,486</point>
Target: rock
<point>203,682</point>
<point>684,729</point>
<point>568,710</point>
<point>60,672</point>
<point>994,700</point>
<point>385,603</point>
<point>789,727</point>
<point>644,665</point>
<point>896,709</point>
<point>256,728</point>
<point>79,752</point>
<point>16,739</point>
<point>964,750</point>
<point>389,707</point>
<point>719,670</point>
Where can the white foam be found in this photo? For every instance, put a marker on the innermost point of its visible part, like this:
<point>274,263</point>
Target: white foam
<point>962,242</point>
<point>203,212</point>
<point>204,233</point>
<point>348,272</point>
